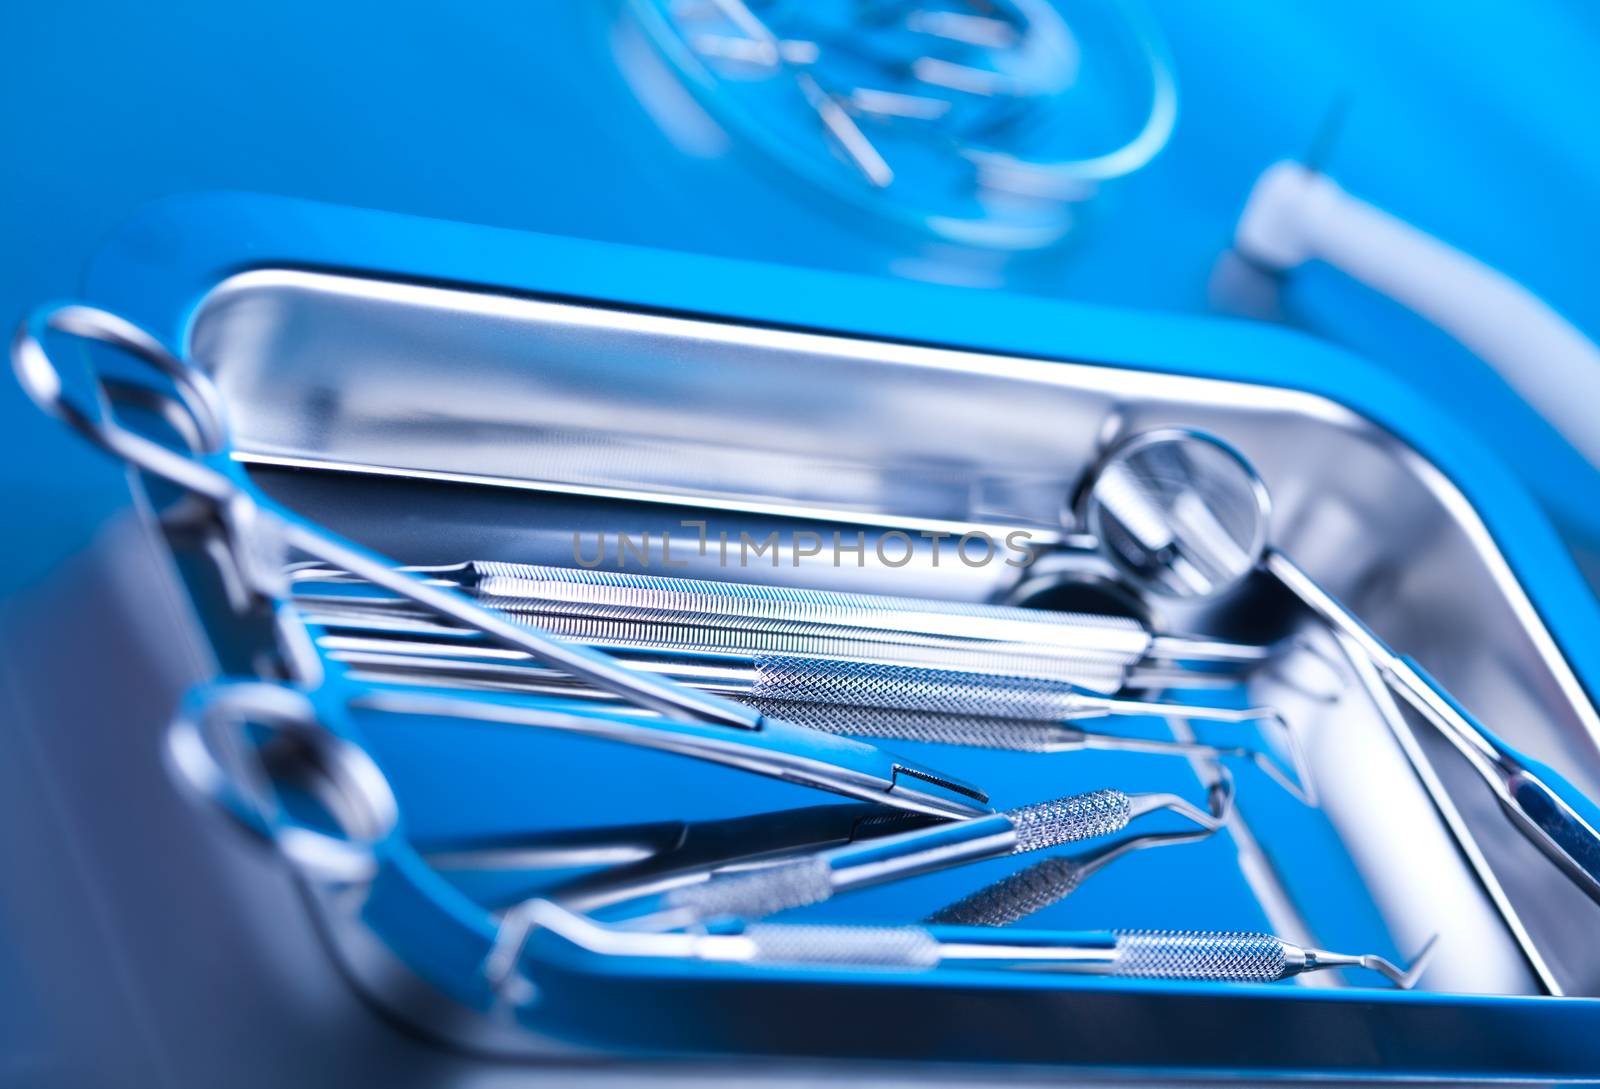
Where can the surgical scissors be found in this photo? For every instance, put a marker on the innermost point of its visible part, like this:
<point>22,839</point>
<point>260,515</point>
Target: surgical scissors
<point>261,536</point>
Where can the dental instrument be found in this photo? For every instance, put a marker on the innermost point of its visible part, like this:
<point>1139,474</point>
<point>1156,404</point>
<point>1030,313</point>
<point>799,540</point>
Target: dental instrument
<point>1211,956</point>
<point>630,637</point>
<point>779,749</point>
<point>885,703</point>
<point>604,864</point>
<point>528,588</point>
<point>1048,882</point>
<point>260,537</point>
<point>1186,515</point>
<point>1296,214</point>
<point>805,680</point>
<point>1028,828</point>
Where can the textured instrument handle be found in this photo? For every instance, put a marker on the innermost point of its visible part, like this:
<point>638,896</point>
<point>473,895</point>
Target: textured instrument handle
<point>911,688</point>
<point>1067,820</point>
<point>1011,734</point>
<point>1296,214</point>
<point>1015,897</point>
<point>857,946</point>
<point>811,881</point>
<point>643,597</point>
<point>1096,672</point>
<point>1240,956</point>
<point>756,895</point>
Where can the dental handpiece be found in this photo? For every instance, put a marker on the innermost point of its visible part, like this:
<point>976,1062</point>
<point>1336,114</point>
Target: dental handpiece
<point>819,877</point>
<point>785,610</point>
<point>1211,956</point>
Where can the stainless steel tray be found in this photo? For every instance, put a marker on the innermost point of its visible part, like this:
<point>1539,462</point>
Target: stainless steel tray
<point>463,423</point>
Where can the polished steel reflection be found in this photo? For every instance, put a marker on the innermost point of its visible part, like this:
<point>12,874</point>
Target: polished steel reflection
<point>536,396</point>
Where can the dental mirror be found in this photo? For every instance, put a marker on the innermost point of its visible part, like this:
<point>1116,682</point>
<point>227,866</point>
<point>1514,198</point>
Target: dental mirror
<point>1180,512</point>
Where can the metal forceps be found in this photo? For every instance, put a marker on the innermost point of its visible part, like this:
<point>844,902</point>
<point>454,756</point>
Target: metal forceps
<point>260,535</point>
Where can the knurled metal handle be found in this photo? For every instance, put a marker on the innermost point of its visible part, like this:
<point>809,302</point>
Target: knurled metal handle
<point>856,946</point>
<point>931,727</point>
<point>1016,897</point>
<point>909,688</point>
<point>1239,956</point>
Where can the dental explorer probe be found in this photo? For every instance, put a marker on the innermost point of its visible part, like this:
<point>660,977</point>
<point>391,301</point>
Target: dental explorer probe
<point>1211,956</point>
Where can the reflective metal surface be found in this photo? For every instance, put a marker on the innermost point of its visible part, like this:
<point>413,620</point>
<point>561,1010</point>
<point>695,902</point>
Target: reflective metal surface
<point>476,387</point>
<point>576,421</point>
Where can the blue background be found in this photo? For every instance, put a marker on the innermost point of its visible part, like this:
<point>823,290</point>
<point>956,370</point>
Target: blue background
<point>1472,120</point>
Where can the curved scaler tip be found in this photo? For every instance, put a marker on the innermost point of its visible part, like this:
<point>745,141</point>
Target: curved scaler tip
<point>1220,801</point>
<point>1403,978</point>
<point>1419,963</point>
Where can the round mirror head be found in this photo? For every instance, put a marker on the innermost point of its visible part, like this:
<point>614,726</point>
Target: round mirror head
<point>1179,511</point>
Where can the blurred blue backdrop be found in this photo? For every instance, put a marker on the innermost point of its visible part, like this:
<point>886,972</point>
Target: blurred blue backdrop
<point>1473,121</point>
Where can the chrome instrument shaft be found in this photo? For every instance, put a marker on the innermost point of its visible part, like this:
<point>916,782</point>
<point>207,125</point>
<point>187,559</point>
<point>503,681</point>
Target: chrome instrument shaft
<point>817,877</point>
<point>785,610</point>
<point>1212,956</point>
<point>628,637</point>
<point>1048,882</point>
<point>1186,515</point>
<point>945,707</point>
